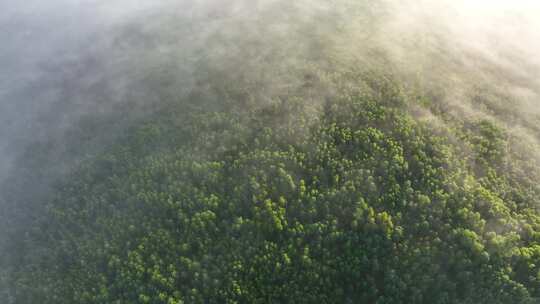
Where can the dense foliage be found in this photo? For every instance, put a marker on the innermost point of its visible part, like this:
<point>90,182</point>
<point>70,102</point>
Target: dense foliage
<point>356,200</point>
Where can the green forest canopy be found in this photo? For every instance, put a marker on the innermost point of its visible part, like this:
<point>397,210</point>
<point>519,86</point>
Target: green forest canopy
<point>354,200</point>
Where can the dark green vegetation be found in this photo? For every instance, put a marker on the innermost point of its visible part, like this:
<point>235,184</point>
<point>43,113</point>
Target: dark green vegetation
<point>355,200</point>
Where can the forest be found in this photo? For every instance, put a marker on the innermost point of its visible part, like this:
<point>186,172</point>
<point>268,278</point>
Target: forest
<point>295,176</point>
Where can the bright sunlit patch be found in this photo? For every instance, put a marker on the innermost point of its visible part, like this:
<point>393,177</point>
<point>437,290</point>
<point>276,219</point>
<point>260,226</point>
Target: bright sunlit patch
<point>499,6</point>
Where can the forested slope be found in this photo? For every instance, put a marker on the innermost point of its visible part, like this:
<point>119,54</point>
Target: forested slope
<point>356,200</point>
<point>275,151</point>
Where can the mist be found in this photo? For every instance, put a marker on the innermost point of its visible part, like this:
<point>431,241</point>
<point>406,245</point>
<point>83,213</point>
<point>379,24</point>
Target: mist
<point>69,66</point>
<point>56,55</point>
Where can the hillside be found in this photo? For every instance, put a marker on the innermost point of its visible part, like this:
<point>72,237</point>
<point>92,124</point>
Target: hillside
<point>355,201</point>
<point>276,152</point>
